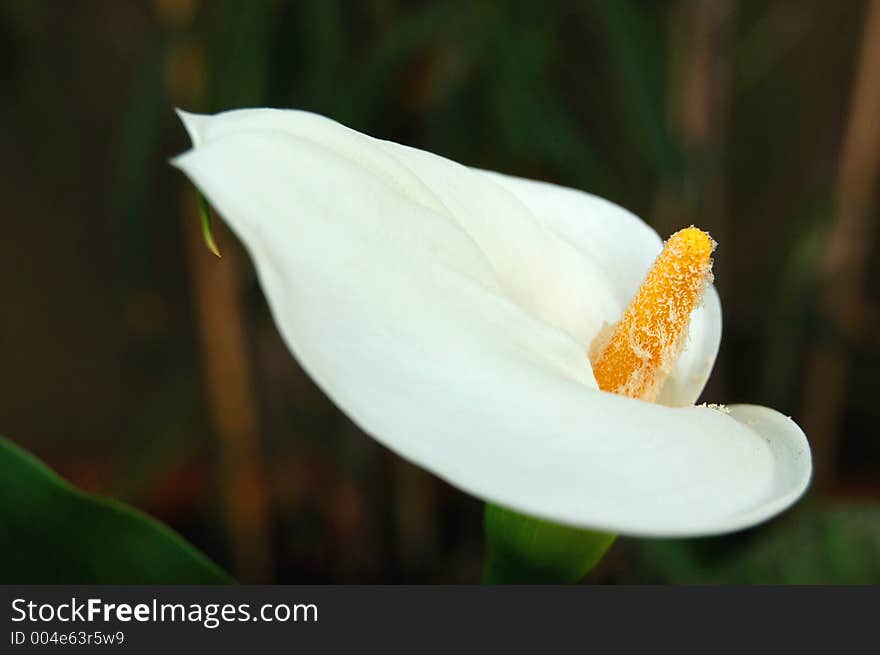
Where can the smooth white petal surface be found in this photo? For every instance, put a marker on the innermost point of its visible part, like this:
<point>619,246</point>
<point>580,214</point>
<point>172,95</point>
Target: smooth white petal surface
<point>449,315</point>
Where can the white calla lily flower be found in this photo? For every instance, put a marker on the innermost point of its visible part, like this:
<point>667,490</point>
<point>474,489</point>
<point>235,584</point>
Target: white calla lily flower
<point>450,311</point>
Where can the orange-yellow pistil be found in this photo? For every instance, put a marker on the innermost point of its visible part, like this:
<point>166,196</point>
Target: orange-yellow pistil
<point>638,353</point>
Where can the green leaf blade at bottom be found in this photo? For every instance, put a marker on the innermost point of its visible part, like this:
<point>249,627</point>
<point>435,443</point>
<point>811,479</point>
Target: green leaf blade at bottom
<point>52,533</point>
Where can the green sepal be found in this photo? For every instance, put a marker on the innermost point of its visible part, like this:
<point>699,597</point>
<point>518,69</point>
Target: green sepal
<point>525,550</point>
<point>207,224</point>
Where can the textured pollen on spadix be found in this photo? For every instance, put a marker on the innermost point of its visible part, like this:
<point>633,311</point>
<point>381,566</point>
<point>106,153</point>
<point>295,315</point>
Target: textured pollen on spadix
<point>635,358</point>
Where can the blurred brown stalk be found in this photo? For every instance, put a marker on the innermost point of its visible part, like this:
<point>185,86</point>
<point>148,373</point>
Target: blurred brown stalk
<point>844,265</point>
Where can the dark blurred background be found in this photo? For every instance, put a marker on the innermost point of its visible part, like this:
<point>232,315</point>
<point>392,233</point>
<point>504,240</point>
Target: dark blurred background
<point>141,367</point>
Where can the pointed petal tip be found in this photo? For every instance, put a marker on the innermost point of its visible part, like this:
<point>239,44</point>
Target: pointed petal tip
<point>178,161</point>
<point>192,123</point>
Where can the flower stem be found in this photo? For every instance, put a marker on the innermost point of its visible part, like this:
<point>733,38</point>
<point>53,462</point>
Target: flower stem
<point>524,550</point>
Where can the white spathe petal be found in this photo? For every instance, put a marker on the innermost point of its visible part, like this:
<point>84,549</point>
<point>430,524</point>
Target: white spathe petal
<point>623,247</point>
<point>621,244</point>
<point>383,290</point>
<point>536,268</point>
<point>787,443</point>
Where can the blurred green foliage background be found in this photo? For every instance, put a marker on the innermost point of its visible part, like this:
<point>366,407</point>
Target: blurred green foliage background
<point>140,367</point>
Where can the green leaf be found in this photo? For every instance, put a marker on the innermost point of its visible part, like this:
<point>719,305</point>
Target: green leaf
<point>52,533</point>
<point>525,550</point>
